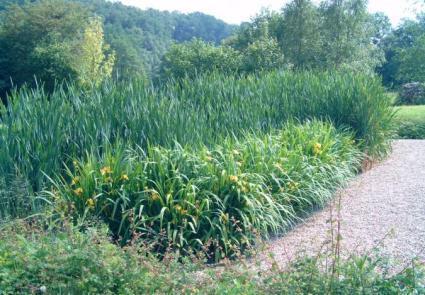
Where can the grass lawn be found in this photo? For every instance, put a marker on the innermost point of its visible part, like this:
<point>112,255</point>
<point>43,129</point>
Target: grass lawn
<point>411,114</point>
<point>411,121</point>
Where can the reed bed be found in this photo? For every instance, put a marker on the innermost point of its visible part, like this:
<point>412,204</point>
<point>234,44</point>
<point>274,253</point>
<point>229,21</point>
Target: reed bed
<point>40,132</point>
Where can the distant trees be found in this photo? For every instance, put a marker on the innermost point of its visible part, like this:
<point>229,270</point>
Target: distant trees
<point>262,55</point>
<point>405,53</point>
<point>52,40</point>
<point>335,34</point>
<point>301,37</point>
<point>198,57</point>
<point>91,40</point>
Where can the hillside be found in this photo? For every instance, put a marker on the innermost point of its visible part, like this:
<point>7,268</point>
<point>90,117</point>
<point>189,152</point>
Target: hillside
<point>141,37</point>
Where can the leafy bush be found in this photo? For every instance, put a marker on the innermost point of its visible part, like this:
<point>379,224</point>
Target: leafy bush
<point>40,132</point>
<point>412,94</point>
<point>410,122</point>
<point>216,200</point>
<point>33,261</point>
<point>411,130</point>
<point>198,57</point>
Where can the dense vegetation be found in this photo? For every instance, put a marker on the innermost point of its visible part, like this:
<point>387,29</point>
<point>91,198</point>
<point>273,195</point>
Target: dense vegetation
<point>46,44</point>
<point>40,131</point>
<point>410,122</point>
<point>213,200</point>
<point>72,262</point>
<point>134,143</point>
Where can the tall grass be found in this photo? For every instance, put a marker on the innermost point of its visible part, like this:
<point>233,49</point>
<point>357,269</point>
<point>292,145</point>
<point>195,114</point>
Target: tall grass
<point>40,132</point>
<point>214,201</point>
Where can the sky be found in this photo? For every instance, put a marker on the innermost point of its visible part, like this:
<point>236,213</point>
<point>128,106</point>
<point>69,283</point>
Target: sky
<point>237,11</point>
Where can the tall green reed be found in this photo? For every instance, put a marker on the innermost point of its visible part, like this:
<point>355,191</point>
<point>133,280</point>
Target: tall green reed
<point>40,132</point>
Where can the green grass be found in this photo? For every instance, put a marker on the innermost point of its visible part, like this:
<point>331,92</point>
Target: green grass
<point>410,121</point>
<point>393,96</point>
<point>414,114</point>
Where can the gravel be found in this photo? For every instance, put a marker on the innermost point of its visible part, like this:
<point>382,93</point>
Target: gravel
<point>384,206</point>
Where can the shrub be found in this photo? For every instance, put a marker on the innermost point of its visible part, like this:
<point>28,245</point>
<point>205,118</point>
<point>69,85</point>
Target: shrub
<point>411,130</point>
<point>33,261</point>
<point>412,94</point>
<point>40,132</point>
<point>217,200</point>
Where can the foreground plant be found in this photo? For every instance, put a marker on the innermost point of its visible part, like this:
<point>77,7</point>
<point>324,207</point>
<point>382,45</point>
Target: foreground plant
<point>214,201</point>
<point>66,260</point>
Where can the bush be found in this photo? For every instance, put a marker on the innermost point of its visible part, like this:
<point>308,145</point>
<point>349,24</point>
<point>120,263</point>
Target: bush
<point>411,130</point>
<point>33,261</point>
<point>412,94</point>
<point>40,132</point>
<point>214,201</point>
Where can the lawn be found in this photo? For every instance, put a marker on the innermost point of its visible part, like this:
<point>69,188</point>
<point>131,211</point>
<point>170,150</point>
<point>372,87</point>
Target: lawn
<point>411,114</point>
<point>411,122</point>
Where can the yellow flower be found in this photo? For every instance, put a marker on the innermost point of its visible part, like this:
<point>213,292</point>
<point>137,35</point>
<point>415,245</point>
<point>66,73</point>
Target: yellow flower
<point>180,209</point>
<point>125,177</point>
<point>293,185</point>
<point>90,203</point>
<point>106,170</point>
<point>79,191</point>
<point>233,178</point>
<point>154,196</point>
<point>224,217</point>
<point>75,180</point>
<point>317,149</point>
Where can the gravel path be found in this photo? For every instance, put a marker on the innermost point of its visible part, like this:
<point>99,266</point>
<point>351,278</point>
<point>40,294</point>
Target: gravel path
<point>385,204</point>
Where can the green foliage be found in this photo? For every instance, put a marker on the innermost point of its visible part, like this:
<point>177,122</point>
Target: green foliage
<point>215,200</point>
<point>140,38</point>
<point>336,34</point>
<point>198,57</point>
<point>40,132</point>
<point>51,40</point>
<point>262,55</point>
<point>94,66</point>
<point>401,46</point>
<point>71,262</point>
<point>410,70</point>
<point>201,26</point>
<point>301,34</point>
<point>410,121</point>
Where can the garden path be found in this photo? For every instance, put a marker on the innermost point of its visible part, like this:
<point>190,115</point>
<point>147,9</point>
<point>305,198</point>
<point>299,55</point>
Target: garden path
<point>385,206</point>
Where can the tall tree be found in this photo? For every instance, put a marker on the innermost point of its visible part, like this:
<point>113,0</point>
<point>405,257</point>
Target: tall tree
<point>348,36</point>
<point>301,36</point>
<point>51,40</point>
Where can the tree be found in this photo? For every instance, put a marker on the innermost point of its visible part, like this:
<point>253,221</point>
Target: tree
<point>301,36</point>
<point>262,55</point>
<point>397,47</point>
<point>348,36</point>
<point>198,57</point>
<point>93,65</point>
<point>250,32</point>
<point>411,62</point>
<point>52,41</point>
